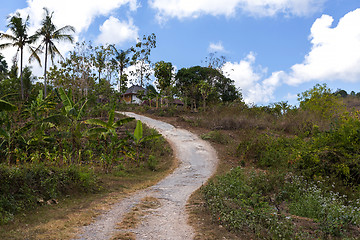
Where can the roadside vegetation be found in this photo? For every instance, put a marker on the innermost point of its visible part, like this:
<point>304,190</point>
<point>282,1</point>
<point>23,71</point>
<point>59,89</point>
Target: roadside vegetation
<point>286,172</point>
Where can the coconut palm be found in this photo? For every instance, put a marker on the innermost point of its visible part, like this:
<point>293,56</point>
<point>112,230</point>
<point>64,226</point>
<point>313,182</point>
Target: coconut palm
<point>49,33</point>
<point>20,39</point>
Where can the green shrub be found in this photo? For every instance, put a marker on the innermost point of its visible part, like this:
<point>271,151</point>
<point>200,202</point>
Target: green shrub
<point>216,136</point>
<point>334,153</point>
<point>240,202</point>
<point>22,187</point>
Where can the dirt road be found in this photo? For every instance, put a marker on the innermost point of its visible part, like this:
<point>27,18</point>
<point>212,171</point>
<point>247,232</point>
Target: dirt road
<point>197,162</point>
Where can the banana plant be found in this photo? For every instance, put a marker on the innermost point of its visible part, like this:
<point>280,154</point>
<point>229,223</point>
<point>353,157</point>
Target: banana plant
<point>71,109</point>
<point>70,126</point>
<point>106,128</point>
<point>37,112</point>
<point>11,139</point>
<point>139,138</point>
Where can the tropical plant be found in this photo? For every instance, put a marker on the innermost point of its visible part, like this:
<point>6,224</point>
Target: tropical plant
<point>3,67</point>
<point>49,33</point>
<point>122,61</point>
<point>6,106</point>
<point>107,128</point>
<point>139,138</point>
<point>19,39</point>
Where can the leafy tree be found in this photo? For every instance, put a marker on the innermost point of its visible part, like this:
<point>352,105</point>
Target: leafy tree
<point>100,60</point>
<point>48,34</point>
<point>215,62</point>
<point>341,93</point>
<point>141,58</point>
<point>28,80</point>
<point>122,61</point>
<point>19,39</point>
<point>205,90</point>
<point>124,79</point>
<point>321,101</point>
<point>3,67</point>
<point>188,84</point>
<point>164,75</point>
<point>74,72</point>
<point>11,84</point>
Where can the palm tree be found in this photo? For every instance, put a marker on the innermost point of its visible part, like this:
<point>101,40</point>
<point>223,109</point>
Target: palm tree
<point>122,60</point>
<point>20,39</point>
<point>48,32</point>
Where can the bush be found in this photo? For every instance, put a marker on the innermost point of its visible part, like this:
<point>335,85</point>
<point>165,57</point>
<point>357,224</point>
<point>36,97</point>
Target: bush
<point>240,202</point>
<point>216,136</point>
<point>26,186</point>
<point>334,212</point>
<point>335,152</point>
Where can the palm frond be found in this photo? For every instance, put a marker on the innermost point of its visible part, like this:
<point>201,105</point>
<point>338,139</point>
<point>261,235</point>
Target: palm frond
<point>34,55</point>
<point>5,36</point>
<point>123,121</point>
<point>6,106</point>
<point>97,122</point>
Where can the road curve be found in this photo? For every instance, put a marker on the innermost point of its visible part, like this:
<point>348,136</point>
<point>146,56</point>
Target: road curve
<point>197,162</point>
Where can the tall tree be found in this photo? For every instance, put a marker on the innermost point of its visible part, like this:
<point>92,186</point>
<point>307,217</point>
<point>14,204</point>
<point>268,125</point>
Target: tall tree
<point>49,33</point>
<point>122,61</point>
<point>141,58</point>
<point>164,73</point>
<point>19,39</point>
<point>208,83</point>
<point>4,68</point>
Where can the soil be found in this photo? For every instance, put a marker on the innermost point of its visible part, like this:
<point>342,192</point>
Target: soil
<point>197,163</point>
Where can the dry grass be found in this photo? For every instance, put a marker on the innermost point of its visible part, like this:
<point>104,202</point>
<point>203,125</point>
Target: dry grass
<point>124,236</point>
<point>133,218</point>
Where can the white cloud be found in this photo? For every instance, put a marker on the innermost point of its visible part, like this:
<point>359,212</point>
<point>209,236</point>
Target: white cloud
<point>216,47</point>
<point>192,9</point>
<point>335,53</point>
<point>79,14</point>
<point>114,31</point>
<point>248,78</point>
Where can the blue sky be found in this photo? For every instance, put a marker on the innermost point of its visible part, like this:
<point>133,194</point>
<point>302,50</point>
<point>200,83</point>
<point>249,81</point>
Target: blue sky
<point>275,49</point>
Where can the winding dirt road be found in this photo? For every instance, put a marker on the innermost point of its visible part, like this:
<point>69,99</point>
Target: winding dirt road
<point>197,162</point>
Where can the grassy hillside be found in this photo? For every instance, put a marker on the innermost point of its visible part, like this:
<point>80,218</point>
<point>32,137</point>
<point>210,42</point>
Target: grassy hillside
<point>285,173</point>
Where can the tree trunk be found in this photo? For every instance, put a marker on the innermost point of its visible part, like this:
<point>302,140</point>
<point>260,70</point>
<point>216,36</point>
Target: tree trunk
<point>120,74</point>
<point>21,74</point>
<point>45,84</point>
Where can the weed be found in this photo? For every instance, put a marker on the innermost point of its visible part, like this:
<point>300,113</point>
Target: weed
<point>215,136</point>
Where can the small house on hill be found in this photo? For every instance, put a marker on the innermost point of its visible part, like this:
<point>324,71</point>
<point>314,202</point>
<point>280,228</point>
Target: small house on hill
<point>132,94</point>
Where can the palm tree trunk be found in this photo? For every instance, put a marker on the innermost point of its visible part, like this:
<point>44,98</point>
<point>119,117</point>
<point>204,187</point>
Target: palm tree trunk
<point>21,74</point>
<point>45,85</point>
